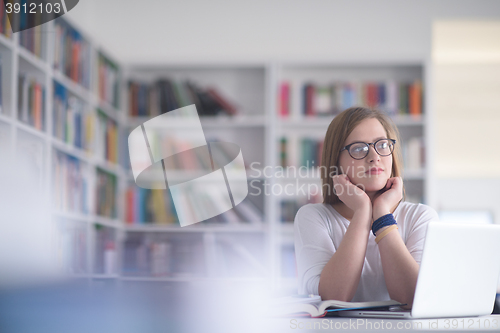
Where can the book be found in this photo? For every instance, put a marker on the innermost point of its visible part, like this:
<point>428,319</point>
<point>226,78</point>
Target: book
<point>108,80</point>
<point>224,104</point>
<point>106,138</point>
<point>284,102</point>
<point>31,101</point>
<point>319,309</point>
<point>105,194</point>
<point>71,53</point>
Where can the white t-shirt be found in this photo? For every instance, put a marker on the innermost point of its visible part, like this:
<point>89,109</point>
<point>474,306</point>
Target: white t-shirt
<point>319,229</point>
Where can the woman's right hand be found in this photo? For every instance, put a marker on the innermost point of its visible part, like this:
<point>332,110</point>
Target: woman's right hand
<point>351,195</point>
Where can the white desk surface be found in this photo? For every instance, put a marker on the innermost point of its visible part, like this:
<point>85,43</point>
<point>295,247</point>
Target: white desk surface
<point>489,323</point>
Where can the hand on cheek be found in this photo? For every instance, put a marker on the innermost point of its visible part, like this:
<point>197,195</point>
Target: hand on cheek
<point>351,195</point>
<point>389,197</point>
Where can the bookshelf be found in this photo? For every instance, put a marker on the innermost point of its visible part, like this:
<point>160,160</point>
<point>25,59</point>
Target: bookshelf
<point>48,117</point>
<point>87,104</point>
<point>308,96</point>
<point>222,241</point>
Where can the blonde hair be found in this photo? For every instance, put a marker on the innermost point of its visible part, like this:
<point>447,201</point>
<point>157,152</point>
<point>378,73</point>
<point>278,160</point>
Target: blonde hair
<point>338,131</point>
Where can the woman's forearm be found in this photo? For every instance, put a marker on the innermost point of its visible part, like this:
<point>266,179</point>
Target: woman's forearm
<point>400,269</point>
<point>340,276</point>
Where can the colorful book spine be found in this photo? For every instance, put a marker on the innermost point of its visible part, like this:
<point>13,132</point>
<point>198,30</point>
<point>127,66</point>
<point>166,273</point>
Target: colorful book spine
<point>415,98</point>
<point>105,202</point>
<point>149,206</point>
<point>145,206</point>
<point>310,152</point>
<point>106,138</point>
<point>31,102</point>
<point>283,152</point>
<point>30,39</point>
<point>108,81</point>
<point>284,102</point>
<point>296,151</point>
<point>71,53</point>
<point>71,124</point>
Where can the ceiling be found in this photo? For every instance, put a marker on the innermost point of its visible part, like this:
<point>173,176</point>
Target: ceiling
<point>159,32</point>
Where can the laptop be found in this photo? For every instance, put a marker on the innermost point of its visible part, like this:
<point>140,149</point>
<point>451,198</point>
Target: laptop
<point>458,274</point>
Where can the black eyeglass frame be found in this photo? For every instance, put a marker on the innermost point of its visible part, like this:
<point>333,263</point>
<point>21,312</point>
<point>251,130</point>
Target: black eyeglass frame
<point>368,144</point>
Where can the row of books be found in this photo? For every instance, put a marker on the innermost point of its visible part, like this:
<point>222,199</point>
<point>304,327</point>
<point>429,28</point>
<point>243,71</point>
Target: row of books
<point>71,123</point>
<point>71,245</point>
<point>391,96</point>
<point>152,257</point>
<point>149,206</point>
<point>152,99</point>
<point>31,101</point>
<point>70,187</point>
<point>145,206</point>
<point>108,80</point>
<point>31,38</point>
<point>71,53</point>
<point>5,27</point>
<point>106,138</point>
<point>106,193</point>
<point>296,151</point>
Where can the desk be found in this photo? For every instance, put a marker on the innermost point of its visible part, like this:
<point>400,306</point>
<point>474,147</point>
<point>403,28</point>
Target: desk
<point>138,309</point>
<point>489,323</point>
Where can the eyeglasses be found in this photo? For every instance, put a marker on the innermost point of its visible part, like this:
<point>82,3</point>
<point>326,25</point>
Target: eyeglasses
<point>359,150</point>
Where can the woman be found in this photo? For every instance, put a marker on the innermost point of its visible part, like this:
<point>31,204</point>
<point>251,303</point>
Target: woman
<point>363,243</point>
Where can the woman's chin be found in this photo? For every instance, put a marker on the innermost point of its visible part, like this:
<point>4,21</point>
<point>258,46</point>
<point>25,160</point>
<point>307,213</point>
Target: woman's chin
<point>371,186</point>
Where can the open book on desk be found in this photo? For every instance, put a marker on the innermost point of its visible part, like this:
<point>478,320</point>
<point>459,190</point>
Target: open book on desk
<point>319,309</point>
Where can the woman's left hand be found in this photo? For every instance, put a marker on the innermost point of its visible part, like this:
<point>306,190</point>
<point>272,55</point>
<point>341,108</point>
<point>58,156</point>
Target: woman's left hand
<point>389,197</point>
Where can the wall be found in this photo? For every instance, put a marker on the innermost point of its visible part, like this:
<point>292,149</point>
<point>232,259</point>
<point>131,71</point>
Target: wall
<point>466,71</point>
<point>158,31</point>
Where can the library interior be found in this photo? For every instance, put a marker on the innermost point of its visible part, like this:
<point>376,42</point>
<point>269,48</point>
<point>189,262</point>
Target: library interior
<point>81,92</point>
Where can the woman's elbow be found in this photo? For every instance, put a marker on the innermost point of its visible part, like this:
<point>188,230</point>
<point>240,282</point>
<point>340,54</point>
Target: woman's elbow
<point>327,293</point>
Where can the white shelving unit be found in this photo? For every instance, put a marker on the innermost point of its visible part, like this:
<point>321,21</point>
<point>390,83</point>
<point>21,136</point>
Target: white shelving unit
<point>246,86</point>
<point>70,225</point>
<point>296,125</point>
